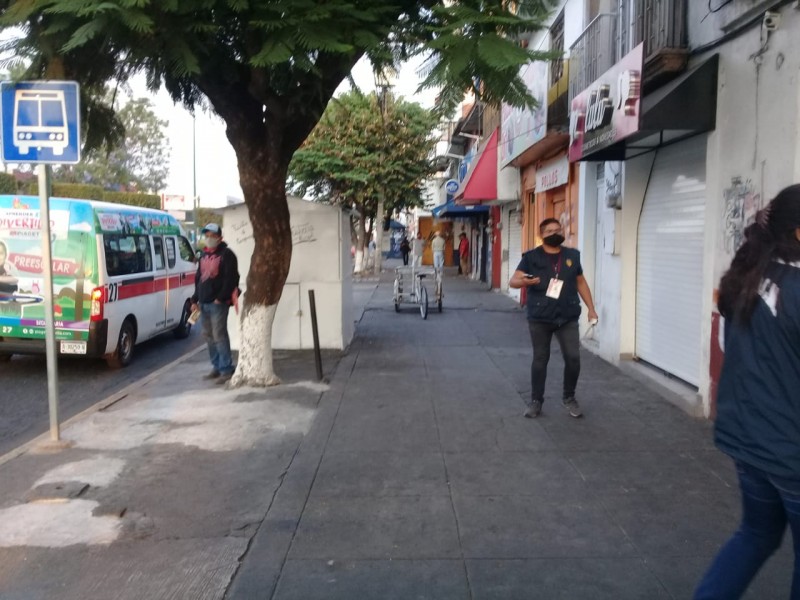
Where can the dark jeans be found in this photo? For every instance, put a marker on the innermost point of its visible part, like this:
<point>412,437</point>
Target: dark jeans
<point>768,503</point>
<point>570,342</point>
<point>215,332</point>
<point>405,258</point>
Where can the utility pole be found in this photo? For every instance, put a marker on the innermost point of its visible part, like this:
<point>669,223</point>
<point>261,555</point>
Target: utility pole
<point>383,92</point>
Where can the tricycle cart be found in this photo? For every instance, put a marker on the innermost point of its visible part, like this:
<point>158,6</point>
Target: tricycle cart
<point>409,287</point>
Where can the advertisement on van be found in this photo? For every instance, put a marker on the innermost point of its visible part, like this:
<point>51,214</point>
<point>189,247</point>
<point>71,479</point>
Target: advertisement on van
<point>21,271</point>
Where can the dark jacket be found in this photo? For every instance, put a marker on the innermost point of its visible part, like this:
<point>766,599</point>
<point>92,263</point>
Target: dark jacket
<point>540,264</point>
<point>758,401</point>
<point>217,276</point>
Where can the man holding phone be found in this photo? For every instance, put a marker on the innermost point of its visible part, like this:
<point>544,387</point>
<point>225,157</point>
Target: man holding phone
<point>553,277</point>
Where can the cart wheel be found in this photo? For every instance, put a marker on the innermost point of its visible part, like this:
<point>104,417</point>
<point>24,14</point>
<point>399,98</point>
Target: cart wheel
<point>440,305</point>
<point>423,302</point>
<point>396,307</point>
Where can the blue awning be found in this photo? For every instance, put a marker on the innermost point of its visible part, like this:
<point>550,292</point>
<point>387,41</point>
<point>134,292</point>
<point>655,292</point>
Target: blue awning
<point>451,209</point>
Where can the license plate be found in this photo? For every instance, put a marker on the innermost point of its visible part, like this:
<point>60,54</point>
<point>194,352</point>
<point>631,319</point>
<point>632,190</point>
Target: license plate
<point>73,347</point>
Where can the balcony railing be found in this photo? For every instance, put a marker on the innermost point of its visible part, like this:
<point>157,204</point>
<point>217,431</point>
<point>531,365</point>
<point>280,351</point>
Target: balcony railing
<point>660,24</point>
<point>593,53</point>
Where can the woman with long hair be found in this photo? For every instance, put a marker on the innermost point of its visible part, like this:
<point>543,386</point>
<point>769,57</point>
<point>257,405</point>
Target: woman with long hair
<point>758,402</point>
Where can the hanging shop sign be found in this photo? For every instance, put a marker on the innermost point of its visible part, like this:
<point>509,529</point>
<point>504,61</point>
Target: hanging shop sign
<point>609,110</point>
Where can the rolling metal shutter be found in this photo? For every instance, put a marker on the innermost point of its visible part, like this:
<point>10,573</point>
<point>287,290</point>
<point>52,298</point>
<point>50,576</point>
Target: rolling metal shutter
<point>669,274</point>
<point>514,247</point>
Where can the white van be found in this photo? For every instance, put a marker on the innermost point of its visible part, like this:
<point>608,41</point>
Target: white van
<point>121,275</point>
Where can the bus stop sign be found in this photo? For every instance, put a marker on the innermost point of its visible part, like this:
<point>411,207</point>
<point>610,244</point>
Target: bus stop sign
<point>40,122</point>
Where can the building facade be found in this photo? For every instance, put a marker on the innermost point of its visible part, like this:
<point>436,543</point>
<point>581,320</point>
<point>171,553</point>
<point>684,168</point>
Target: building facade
<point>669,124</point>
<point>698,128</point>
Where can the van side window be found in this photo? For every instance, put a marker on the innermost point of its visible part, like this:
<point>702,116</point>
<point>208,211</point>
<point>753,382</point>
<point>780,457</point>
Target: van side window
<point>185,249</point>
<point>127,254</point>
<point>158,245</point>
<point>170,242</point>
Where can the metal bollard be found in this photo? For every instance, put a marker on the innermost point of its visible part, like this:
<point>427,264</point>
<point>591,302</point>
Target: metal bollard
<point>315,332</point>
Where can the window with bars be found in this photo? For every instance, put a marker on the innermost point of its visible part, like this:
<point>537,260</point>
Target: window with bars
<point>557,45</point>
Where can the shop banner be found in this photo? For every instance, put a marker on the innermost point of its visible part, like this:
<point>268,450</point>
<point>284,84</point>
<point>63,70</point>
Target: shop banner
<point>552,174</point>
<point>609,110</point>
<point>521,127</point>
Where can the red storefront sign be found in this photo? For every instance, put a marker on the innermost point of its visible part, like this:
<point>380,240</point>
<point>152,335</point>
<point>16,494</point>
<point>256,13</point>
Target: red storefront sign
<point>609,110</point>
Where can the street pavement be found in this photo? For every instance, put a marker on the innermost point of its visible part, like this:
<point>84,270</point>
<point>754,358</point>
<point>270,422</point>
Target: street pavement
<point>412,474</point>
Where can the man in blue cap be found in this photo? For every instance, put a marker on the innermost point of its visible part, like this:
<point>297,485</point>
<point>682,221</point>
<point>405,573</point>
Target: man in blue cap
<point>216,282</point>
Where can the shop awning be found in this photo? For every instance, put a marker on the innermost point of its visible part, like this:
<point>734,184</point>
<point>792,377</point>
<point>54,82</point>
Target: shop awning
<point>480,182</point>
<point>450,209</point>
<point>683,108</point>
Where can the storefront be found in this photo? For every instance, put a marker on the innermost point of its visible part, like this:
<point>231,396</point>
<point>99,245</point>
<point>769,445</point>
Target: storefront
<point>651,232</point>
<point>477,188</point>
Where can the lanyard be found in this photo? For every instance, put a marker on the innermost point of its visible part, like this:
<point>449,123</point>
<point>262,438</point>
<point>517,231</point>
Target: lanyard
<point>557,265</point>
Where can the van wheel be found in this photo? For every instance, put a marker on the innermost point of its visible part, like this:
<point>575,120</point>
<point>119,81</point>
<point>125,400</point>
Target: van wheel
<point>5,356</point>
<point>123,355</point>
<point>184,328</point>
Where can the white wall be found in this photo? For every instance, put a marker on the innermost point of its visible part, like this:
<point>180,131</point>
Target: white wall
<point>758,130</point>
<point>320,261</point>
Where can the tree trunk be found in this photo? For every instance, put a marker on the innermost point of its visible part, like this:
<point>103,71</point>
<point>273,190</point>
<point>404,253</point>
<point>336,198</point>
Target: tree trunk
<point>378,239</point>
<point>361,236</point>
<point>263,180</point>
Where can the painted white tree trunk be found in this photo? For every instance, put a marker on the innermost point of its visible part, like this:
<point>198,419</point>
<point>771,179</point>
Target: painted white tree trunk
<point>254,367</point>
<point>359,265</point>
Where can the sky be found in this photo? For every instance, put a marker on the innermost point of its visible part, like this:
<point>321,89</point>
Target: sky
<point>215,162</point>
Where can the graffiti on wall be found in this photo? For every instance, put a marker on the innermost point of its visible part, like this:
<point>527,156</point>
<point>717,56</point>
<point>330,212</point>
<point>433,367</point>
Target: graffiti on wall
<point>741,204</point>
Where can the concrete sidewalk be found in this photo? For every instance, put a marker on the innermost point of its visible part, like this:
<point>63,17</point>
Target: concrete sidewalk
<point>413,475</point>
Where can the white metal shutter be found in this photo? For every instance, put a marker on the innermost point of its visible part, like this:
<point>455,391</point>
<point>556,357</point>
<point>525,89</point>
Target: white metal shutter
<point>514,230</point>
<point>669,274</point>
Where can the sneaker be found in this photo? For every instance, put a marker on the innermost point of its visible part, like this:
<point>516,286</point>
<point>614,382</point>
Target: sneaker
<point>212,375</point>
<point>223,378</point>
<point>534,410</point>
<point>573,407</point>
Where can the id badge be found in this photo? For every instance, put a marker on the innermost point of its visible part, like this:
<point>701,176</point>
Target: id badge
<point>554,289</point>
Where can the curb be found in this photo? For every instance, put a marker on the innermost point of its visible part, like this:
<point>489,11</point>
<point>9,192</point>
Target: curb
<point>97,407</point>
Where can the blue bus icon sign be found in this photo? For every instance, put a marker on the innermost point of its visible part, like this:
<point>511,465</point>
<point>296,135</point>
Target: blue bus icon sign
<point>40,122</point>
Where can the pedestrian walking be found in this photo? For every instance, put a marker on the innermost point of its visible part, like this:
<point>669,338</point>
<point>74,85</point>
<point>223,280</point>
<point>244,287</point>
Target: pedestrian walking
<point>417,248</point>
<point>405,249</point>
<point>553,277</point>
<point>437,246</point>
<point>758,403</point>
<point>216,290</point>
<point>463,255</point>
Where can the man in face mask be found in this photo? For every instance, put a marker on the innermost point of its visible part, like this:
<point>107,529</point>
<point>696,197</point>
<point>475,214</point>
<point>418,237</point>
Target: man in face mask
<point>215,283</point>
<point>553,277</point>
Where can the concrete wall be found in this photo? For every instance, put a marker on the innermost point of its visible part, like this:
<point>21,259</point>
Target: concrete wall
<point>320,261</point>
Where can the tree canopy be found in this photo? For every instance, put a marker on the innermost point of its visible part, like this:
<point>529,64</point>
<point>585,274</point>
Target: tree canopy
<point>357,154</point>
<point>140,162</point>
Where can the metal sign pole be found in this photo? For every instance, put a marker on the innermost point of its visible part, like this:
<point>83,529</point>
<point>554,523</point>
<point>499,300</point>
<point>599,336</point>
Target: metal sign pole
<point>49,322</point>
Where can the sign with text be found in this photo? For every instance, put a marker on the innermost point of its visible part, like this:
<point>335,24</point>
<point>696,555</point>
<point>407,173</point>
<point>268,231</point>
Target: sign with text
<point>522,127</point>
<point>552,174</point>
<point>175,202</point>
<point>609,110</point>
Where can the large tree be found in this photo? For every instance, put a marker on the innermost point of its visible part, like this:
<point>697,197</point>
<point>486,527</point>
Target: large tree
<point>139,162</point>
<point>268,68</point>
<point>366,150</point>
